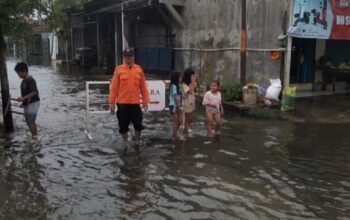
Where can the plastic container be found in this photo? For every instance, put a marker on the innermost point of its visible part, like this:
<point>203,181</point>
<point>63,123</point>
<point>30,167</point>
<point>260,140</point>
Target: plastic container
<point>288,99</point>
<point>250,94</point>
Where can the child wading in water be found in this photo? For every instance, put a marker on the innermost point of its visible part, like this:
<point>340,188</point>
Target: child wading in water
<point>188,85</point>
<point>213,108</point>
<point>30,99</point>
<point>174,103</point>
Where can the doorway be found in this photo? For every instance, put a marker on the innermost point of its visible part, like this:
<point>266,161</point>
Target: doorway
<point>303,61</point>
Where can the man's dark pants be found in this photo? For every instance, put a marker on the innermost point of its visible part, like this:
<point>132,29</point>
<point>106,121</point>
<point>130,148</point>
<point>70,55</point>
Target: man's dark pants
<point>127,113</point>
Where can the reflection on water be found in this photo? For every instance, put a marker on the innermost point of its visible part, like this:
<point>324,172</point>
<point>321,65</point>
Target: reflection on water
<point>257,169</point>
<point>22,195</point>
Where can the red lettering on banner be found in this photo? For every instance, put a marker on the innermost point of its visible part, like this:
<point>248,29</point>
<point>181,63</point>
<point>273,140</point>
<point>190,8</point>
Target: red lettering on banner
<point>154,102</point>
<point>343,3</point>
<point>341,19</point>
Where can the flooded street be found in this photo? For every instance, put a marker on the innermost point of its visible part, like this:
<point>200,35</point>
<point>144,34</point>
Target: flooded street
<point>257,169</point>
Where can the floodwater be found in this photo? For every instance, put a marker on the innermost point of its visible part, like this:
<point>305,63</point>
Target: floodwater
<point>256,169</point>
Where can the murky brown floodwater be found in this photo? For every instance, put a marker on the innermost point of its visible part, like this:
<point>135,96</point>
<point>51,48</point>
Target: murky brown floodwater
<point>259,169</point>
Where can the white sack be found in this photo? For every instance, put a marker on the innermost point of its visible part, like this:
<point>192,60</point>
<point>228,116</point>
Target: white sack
<point>274,90</point>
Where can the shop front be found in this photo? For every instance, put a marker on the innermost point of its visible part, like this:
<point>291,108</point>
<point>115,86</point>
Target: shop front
<point>319,45</point>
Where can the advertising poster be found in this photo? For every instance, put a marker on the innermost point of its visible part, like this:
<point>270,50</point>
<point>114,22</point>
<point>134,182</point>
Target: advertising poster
<point>320,19</point>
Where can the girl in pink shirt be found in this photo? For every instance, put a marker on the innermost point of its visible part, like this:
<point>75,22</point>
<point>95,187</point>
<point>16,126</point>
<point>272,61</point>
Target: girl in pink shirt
<point>213,107</point>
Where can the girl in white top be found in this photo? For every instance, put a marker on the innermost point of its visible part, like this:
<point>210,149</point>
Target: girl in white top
<point>188,85</point>
<point>213,107</point>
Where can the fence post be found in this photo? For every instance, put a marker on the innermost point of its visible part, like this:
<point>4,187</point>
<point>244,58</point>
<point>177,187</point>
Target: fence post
<point>87,108</point>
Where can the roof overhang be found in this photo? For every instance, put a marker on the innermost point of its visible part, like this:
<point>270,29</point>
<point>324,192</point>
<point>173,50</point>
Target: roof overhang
<point>170,6</point>
<point>125,5</point>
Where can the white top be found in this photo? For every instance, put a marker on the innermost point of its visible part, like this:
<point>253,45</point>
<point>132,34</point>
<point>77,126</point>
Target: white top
<point>188,98</point>
<point>212,98</point>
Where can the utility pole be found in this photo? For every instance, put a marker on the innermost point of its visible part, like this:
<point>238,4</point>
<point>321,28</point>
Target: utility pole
<point>123,36</point>
<point>5,90</point>
<point>243,62</point>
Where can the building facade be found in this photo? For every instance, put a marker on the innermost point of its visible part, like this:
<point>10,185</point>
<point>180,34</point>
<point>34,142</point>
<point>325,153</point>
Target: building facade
<point>226,39</point>
<point>213,37</point>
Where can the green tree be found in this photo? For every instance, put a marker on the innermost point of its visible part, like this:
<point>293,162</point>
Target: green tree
<point>57,20</point>
<point>15,15</point>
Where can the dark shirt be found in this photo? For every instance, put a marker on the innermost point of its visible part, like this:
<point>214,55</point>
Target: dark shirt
<point>28,85</point>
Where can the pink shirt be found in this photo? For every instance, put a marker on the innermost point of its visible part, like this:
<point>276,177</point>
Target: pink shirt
<point>211,98</point>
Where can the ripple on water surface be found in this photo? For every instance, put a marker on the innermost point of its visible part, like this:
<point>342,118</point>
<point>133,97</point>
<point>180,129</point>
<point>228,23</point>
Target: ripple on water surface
<point>254,170</point>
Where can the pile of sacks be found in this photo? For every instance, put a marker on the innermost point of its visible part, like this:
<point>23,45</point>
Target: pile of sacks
<point>252,92</point>
<point>273,92</point>
<point>288,95</point>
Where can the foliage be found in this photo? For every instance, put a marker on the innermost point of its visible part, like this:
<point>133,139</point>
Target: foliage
<point>231,91</point>
<point>207,77</point>
<point>16,15</point>
<point>57,20</point>
<point>18,18</point>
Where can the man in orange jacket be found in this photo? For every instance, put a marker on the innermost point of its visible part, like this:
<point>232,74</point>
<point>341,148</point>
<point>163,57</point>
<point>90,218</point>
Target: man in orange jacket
<point>127,86</point>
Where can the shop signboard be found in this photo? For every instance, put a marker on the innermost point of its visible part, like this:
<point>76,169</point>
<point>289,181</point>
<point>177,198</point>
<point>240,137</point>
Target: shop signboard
<point>156,91</point>
<point>320,19</point>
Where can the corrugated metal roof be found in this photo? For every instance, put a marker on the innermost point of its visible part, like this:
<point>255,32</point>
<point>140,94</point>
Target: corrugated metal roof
<point>128,5</point>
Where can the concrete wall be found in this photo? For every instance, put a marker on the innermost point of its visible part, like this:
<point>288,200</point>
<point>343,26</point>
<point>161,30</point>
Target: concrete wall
<point>264,25</point>
<point>216,24</point>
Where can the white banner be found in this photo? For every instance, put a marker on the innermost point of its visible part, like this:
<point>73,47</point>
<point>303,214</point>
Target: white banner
<point>156,90</point>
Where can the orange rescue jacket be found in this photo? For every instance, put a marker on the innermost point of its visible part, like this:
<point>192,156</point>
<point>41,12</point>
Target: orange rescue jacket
<point>128,86</point>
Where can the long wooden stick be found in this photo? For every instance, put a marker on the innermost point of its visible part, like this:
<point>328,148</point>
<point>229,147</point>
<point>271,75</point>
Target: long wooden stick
<point>7,108</point>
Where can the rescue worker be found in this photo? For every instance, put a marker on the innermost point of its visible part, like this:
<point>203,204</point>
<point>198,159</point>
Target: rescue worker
<point>127,87</point>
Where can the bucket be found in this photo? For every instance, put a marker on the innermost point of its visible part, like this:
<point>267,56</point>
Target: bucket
<point>250,95</point>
